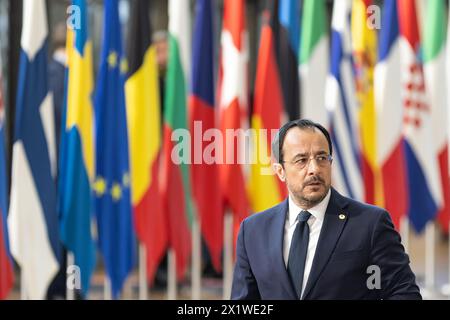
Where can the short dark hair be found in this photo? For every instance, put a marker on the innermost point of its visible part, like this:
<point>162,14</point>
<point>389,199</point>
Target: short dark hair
<point>277,143</point>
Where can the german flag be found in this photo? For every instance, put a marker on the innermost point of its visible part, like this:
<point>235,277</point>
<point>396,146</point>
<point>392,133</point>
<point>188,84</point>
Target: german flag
<point>144,130</point>
<point>264,187</point>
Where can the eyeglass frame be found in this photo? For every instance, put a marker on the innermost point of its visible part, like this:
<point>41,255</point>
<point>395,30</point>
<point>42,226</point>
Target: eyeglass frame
<point>328,158</point>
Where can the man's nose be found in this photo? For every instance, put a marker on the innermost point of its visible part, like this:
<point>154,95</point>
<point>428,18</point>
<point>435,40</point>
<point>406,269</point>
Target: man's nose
<point>313,167</point>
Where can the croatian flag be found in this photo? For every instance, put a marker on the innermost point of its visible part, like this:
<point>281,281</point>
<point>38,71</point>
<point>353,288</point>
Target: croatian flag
<point>425,191</point>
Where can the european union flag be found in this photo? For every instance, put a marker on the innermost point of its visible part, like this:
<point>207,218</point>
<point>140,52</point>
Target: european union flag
<point>113,203</point>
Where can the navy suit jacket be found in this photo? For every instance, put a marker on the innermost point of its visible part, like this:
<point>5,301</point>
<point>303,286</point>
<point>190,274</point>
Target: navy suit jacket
<point>346,248</point>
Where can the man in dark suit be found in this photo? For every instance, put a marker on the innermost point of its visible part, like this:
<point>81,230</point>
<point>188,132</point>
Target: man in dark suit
<point>318,244</point>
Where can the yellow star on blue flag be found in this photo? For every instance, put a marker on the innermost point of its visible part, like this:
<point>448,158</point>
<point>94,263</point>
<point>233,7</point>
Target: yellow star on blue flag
<point>113,201</point>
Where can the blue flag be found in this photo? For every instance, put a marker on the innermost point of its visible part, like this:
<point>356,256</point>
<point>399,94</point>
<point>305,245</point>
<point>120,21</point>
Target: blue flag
<point>113,203</point>
<point>77,151</point>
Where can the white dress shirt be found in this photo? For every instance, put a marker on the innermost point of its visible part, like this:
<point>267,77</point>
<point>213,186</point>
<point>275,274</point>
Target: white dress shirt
<point>315,225</point>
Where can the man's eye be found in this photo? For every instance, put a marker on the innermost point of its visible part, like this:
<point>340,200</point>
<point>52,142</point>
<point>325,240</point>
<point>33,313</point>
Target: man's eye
<point>321,158</point>
<point>301,161</point>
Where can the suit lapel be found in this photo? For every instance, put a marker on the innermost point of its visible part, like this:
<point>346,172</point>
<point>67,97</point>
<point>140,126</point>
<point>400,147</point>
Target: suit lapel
<point>276,233</point>
<point>332,227</point>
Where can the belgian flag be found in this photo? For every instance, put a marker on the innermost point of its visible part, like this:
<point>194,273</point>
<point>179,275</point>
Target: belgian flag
<point>144,129</point>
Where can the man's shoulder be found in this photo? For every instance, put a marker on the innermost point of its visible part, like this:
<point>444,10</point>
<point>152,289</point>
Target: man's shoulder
<point>367,207</point>
<point>267,215</point>
<point>355,207</point>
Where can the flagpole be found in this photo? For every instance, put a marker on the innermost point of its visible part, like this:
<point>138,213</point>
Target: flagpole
<point>70,292</point>
<point>404,232</point>
<point>127,293</point>
<point>430,240</point>
<point>23,295</point>
<point>107,288</point>
<point>143,292</point>
<point>228,255</point>
<point>172,275</point>
<point>445,289</point>
<point>196,261</point>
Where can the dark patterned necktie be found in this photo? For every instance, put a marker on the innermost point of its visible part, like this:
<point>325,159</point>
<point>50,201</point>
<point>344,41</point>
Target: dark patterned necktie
<point>298,251</point>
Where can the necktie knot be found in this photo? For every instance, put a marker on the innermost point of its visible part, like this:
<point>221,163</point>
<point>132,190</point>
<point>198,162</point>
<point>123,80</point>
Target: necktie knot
<point>303,216</point>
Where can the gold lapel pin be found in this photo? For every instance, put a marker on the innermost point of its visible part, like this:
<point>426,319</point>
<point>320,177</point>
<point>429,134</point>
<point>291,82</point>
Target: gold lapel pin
<point>342,216</point>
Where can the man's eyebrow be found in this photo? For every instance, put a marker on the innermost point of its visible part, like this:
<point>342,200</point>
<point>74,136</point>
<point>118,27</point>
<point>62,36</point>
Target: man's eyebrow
<point>300,155</point>
<point>305,154</point>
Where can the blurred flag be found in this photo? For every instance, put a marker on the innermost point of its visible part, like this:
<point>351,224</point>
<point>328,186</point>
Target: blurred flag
<point>77,151</point>
<point>144,129</point>
<point>287,54</point>
<point>425,192</point>
<point>32,220</point>
<point>113,202</point>
<point>6,267</point>
<point>389,111</point>
<point>176,186</point>
<point>364,44</point>
<point>265,189</point>
<point>314,57</point>
<point>205,171</point>
<point>435,62</point>
<point>342,105</point>
<point>233,101</point>
<point>447,79</point>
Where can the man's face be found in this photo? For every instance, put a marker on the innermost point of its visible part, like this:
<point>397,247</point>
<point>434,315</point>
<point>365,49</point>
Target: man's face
<point>306,173</point>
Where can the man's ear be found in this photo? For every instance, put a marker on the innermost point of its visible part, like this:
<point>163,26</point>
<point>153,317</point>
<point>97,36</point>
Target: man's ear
<point>279,170</point>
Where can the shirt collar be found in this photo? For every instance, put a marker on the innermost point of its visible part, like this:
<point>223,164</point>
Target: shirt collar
<point>60,56</point>
<point>318,211</point>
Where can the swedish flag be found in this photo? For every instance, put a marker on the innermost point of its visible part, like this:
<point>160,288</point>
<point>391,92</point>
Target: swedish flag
<point>112,186</point>
<point>77,151</point>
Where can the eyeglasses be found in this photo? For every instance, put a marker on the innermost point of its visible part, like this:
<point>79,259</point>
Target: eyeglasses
<point>322,160</point>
